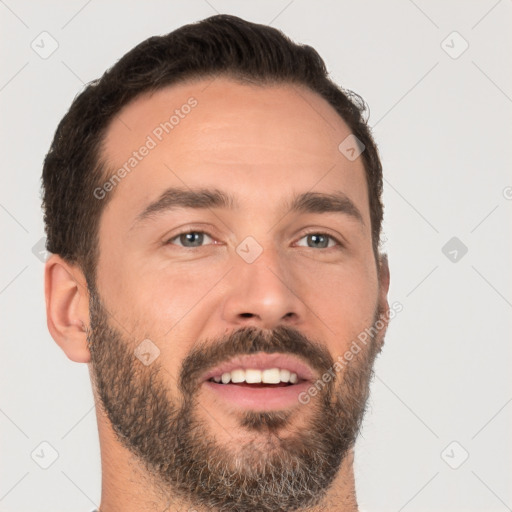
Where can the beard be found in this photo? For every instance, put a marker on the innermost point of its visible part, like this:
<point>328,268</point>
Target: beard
<point>279,468</point>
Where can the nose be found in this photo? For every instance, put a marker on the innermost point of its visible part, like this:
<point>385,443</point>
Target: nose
<point>262,294</point>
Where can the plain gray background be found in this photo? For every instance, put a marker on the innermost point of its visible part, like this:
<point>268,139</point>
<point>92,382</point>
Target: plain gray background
<point>442,119</point>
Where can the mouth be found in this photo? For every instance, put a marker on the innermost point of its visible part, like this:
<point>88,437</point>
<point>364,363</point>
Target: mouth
<point>261,382</point>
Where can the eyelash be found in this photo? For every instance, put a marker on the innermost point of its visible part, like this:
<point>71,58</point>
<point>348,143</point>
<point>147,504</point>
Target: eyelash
<point>339,244</point>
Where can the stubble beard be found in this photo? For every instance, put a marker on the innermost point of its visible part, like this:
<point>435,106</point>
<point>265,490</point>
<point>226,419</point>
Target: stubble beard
<point>281,469</point>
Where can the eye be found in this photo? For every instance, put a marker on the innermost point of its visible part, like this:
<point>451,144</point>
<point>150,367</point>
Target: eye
<point>189,239</point>
<point>320,241</point>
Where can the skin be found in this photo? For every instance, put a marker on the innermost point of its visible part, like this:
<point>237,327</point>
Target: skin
<point>261,144</point>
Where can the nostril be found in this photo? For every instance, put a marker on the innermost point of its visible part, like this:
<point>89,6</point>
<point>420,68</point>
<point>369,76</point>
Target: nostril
<point>247,315</point>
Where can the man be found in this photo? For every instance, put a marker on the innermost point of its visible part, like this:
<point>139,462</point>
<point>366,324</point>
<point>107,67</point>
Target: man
<point>213,206</point>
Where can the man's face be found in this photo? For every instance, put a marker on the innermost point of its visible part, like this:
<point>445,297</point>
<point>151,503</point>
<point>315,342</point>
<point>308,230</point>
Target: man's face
<point>257,290</point>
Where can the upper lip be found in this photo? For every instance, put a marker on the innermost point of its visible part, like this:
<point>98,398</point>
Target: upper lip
<point>262,361</point>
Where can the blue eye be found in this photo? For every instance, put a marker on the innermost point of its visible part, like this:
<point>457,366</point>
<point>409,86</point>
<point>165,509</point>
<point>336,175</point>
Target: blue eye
<point>190,239</point>
<point>319,240</point>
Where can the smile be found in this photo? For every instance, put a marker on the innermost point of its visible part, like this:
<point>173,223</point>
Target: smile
<point>261,382</point>
<point>253,376</point>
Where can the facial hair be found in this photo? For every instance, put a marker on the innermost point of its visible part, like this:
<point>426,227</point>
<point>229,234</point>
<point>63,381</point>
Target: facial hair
<point>275,472</point>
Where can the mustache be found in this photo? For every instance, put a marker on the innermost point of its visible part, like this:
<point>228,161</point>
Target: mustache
<point>250,340</point>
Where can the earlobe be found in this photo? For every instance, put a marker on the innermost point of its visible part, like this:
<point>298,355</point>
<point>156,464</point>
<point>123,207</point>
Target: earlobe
<point>67,308</point>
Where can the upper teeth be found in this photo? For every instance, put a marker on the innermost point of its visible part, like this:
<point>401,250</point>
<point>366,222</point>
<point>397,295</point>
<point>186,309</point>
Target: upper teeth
<point>268,376</point>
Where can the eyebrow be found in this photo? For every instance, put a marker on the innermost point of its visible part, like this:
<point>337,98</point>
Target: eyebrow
<point>203,198</point>
<point>317,202</point>
<point>175,198</point>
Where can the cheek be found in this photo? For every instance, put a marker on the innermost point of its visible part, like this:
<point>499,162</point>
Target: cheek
<point>344,297</point>
<point>166,295</point>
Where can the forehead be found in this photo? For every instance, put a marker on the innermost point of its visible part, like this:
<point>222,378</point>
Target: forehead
<point>256,142</point>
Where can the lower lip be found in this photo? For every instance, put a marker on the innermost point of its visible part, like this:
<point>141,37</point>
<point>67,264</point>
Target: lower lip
<point>261,398</point>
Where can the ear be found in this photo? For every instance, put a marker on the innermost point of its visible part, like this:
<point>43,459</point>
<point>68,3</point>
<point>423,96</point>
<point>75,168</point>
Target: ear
<point>383,304</point>
<point>67,308</point>
<point>384,278</point>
